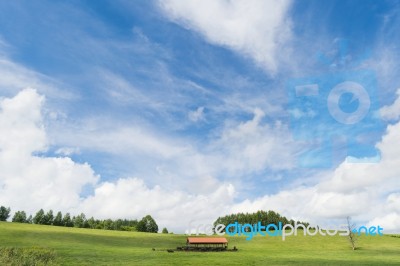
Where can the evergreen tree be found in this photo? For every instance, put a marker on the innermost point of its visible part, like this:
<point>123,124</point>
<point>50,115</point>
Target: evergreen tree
<point>80,221</point>
<point>19,217</point>
<point>265,217</point>
<point>39,217</point>
<point>48,218</point>
<point>4,213</point>
<point>67,220</point>
<point>58,220</point>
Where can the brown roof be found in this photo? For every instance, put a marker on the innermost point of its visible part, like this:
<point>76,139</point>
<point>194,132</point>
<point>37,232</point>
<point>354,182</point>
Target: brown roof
<point>207,240</point>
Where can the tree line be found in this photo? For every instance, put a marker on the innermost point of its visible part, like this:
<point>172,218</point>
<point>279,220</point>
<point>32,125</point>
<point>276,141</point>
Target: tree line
<point>146,224</point>
<point>265,217</point>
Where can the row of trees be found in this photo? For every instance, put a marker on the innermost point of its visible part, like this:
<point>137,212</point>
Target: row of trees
<point>265,217</point>
<point>146,224</point>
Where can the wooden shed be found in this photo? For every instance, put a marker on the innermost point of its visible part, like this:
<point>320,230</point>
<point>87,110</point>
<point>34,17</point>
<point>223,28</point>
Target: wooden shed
<point>207,242</point>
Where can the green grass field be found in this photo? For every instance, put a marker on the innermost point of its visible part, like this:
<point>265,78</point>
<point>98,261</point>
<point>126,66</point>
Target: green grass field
<point>72,246</point>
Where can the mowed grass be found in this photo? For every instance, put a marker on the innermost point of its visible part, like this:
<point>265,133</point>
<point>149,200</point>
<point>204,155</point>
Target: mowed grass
<point>73,246</point>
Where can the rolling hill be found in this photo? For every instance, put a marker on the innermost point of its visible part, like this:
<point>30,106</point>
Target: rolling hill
<point>74,246</point>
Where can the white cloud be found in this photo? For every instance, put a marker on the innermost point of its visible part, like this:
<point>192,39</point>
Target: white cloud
<point>391,112</point>
<point>121,91</point>
<point>29,182</point>
<point>130,197</point>
<point>253,146</point>
<point>98,136</point>
<point>197,115</point>
<point>240,148</point>
<point>390,222</point>
<point>67,151</point>
<point>257,28</point>
<point>393,202</point>
<point>21,123</point>
<point>297,113</point>
<point>14,77</point>
<point>366,191</point>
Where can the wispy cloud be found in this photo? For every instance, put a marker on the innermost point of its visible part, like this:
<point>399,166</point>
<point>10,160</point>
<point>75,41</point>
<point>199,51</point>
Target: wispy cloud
<point>15,77</point>
<point>241,26</point>
<point>197,115</point>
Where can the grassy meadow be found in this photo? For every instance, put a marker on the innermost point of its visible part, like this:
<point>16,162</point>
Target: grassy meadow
<point>74,246</point>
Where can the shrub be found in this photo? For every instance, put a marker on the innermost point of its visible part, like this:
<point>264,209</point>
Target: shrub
<point>34,256</point>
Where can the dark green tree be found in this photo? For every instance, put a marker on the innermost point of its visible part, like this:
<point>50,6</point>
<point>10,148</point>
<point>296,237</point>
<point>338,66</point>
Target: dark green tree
<point>99,224</point>
<point>165,230</point>
<point>29,220</point>
<point>58,220</point>
<point>4,213</point>
<point>19,217</point>
<point>92,223</point>
<point>67,220</point>
<point>265,217</point>
<point>147,224</point>
<point>80,221</point>
<point>108,224</point>
<point>118,224</point>
<point>39,217</point>
<point>48,218</point>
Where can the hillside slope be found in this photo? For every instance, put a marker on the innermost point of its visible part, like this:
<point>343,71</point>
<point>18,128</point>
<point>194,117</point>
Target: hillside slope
<point>74,246</point>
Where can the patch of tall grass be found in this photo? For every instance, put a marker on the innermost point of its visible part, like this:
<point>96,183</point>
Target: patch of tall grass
<point>22,256</point>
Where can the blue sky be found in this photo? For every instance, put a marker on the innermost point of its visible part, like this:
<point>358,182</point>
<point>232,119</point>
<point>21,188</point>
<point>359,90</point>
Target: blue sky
<point>195,99</point>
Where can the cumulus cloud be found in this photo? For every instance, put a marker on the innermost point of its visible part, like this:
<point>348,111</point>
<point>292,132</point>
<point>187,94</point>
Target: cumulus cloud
<point>367,191</point>
<point>175,209</point>
<point>256,28</point>
<point>29,181</point>
<point>21,124</point>
<point>390,222</point>
<point>391,112</point>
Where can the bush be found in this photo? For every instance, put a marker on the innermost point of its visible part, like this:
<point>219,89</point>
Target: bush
<point>35,256</point>
<point>128,228</point>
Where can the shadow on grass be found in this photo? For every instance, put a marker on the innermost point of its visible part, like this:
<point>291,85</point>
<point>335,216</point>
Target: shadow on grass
<point>144,240</point>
